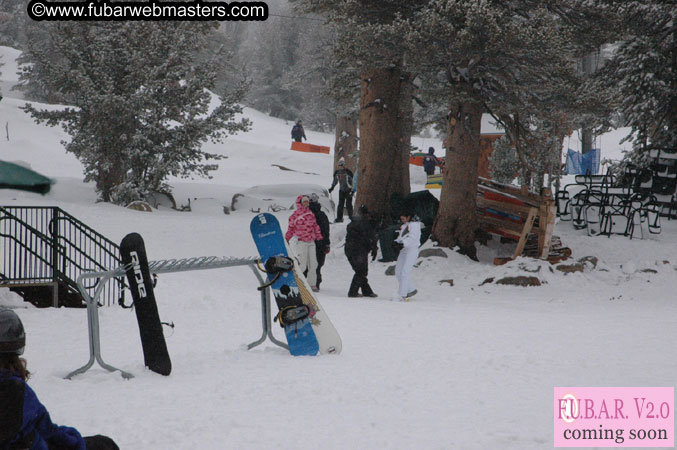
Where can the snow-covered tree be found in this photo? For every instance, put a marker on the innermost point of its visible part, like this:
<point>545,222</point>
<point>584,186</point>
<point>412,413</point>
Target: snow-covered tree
<point>269,54</point>
<point>642,73</point>
<point>482,56</point>
<point>141,109</point>
<point>13,20</point>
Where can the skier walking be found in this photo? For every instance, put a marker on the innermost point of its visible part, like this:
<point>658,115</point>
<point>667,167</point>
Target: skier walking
<point>322,246</point>
<point>24,421</point>
<point>302,225</point>
<point>408,240</point>
<point>344,178</point>
<point>360,241</point>
<point>297,132</point>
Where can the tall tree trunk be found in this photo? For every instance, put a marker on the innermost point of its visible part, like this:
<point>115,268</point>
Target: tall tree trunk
<point>406,127</point>
<point>345,145</point>
<point>380,166</point>
<point>588,67</point>
<point>672,119</point>
<point>456,219</point>
<point>110,175</point>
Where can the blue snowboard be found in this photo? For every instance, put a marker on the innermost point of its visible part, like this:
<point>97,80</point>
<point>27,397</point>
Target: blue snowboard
<point>269,241</point>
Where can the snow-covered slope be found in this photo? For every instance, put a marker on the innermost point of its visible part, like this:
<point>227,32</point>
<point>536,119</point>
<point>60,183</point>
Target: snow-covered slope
<point>468,366</point>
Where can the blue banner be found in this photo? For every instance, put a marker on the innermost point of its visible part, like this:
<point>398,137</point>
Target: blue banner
<point>578,164</point>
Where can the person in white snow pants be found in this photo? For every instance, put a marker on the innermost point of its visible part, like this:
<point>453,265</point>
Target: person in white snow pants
<point>307,256</point>
<point>303,226</point>
<point>409,238</point>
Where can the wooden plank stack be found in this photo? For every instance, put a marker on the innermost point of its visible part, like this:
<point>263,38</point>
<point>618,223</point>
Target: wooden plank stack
<point>516,213</point>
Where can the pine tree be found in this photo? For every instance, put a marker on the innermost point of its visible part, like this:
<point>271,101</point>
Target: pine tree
<point>140,105</point>
<point>482,56</point>
<point>369,43</point>
<point>642,73</point>
<point>270,55</point>
<point>13,20</point>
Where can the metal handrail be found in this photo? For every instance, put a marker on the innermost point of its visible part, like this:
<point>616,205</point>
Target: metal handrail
<point>60,247</point>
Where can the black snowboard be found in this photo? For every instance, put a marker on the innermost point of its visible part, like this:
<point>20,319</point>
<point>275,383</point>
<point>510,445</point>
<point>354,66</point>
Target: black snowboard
<point>155,354</point>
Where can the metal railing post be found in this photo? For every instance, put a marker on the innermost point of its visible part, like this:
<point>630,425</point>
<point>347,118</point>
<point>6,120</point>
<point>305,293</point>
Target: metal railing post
<point>164,266</point>
<point>55,257</point>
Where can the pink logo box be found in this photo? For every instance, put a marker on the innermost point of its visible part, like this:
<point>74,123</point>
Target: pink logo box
<point>614,417</point>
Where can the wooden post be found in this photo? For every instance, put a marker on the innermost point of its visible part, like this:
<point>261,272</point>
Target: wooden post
<point>528,224</point>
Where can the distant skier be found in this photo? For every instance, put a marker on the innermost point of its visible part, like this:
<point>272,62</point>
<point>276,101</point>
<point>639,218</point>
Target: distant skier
<point>408,241</point>
<point>302,224</point>
<point>360,241</point>
<point>344,178</point>
<point>297,132</point>
<point>430,161</point>
<point>322,246</point>
<point>24,421</point>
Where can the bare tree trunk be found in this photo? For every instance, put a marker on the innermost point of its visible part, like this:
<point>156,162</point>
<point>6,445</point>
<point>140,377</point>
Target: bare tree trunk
<point>588,67</point>
<point>456,219</point>
<point>345,145</point>
<point>406,127</point>
<point>379,171</point>
<point>111,173</point>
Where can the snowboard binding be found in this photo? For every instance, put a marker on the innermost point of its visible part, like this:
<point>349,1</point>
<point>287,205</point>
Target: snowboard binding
<point>292,314</point>
<point>279,264</point>
<point>276,265</point>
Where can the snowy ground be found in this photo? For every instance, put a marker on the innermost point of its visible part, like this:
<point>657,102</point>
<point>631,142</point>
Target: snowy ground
<point>471,366</point>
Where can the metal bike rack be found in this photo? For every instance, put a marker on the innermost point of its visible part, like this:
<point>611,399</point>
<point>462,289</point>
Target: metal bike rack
<point>157,267</point>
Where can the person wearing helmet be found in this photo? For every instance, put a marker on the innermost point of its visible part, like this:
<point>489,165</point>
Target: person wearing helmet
<point>24,421</point>
<point>408,241</point>
<point>360,240</point>
<point>344,178</point>
<point>297,132</point>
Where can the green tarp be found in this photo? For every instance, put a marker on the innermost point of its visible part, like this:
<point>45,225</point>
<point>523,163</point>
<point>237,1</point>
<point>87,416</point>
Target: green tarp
<point>14,176</point>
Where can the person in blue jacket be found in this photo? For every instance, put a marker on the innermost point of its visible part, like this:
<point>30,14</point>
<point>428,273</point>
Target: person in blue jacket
<point>24,421</point>
<point>430,161</point>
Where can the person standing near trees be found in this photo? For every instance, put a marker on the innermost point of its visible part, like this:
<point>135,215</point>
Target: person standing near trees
<point>360,241</point>
<point>302,225</point>
<point>408,241</point>
<point>344,178</point>
<point>322,246</point>
<point>430,161</point>
<point>297,132</point>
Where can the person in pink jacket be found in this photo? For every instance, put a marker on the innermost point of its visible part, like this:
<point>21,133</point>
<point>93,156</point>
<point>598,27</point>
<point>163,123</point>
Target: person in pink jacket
<point>302,225</point>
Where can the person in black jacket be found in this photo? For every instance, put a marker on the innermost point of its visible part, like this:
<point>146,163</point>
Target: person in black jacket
<point>430,161</point>
<point>360,241</point>
<point>344,178</point>
<point>24,421</point>
<point>297,132</point>
<point>322,246</point>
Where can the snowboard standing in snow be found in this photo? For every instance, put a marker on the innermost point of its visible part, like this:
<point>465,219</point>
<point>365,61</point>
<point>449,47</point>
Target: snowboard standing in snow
<point>155,354</point>
<point>327,336</point>
<point>293,315</point>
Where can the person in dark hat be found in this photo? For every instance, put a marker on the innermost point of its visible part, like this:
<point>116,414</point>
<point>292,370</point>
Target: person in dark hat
<point>344,178</point>
<point>322,246</point>
<point>24,421</point>
<point>430,161</point>
<point>360,241</point>
<point>297,132</point>
<point>408,241</point>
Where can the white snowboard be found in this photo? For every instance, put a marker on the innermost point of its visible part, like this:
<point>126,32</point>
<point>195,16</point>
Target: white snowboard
<point>327,336</point>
